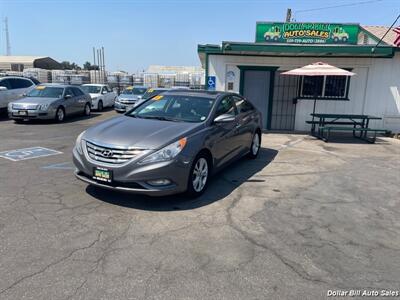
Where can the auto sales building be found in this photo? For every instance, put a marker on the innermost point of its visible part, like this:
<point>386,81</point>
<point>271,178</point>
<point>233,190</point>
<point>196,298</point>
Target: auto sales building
<point>254,70</point>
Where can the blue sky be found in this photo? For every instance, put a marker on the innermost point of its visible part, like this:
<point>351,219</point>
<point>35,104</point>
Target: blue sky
<point>137,33</point>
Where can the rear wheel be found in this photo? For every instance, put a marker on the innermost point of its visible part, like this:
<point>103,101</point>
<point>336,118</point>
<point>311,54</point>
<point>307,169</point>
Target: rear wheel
<point>198,176</point>
<point>255,145</point>
<point>87,110</point>
<point>100,105</point>
<point>60,115</point>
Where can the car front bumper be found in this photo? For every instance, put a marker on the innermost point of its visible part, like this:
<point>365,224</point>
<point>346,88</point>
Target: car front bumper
<point>123,107</point>
<point>31,114</point>
<point>134,178</point>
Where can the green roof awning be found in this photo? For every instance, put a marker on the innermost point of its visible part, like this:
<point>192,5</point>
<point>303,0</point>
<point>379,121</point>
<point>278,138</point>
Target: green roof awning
<point>268,49</point>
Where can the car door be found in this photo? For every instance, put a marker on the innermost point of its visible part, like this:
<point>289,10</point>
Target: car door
<point>225,145</point>
<point>246,123</point>
<point>107,96</point>
<point>5,95</point>
<point>79,100</point>
<point>69,101</point>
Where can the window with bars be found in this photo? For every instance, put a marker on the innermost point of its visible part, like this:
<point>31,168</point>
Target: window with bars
<point>326,87</point>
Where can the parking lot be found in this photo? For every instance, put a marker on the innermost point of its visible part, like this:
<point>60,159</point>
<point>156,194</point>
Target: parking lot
<point>303,218</point>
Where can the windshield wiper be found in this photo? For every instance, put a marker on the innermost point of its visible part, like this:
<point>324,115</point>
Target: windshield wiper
<point>159,118</point>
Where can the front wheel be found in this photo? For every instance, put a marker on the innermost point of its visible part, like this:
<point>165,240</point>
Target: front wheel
<point>87,110</point>
<point>60,115</point>
<point>198,176</point>
<point>255,145</point>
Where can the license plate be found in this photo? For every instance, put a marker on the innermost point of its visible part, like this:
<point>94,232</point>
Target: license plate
<point>102,174</point>
<point>22,112</point>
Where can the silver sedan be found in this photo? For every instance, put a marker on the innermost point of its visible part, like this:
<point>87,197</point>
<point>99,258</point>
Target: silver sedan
<point>50,102</point>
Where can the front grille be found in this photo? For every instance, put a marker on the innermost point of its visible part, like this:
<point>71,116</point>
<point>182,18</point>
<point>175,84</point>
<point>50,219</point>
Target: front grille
<point>24,106</point>
<point>110,155</point>
<point>127,101</point>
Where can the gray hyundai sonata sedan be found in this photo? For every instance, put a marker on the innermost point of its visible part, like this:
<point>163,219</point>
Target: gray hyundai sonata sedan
<point>171,143</point>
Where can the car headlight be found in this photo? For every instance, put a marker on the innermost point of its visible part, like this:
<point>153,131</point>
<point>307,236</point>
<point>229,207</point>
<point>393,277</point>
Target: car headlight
<point>43,106</point>
<point>78,143</point>
<point>10,106</point>
<point>167,153</point>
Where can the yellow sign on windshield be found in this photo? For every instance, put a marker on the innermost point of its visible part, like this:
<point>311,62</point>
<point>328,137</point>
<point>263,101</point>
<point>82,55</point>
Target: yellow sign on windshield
<point>150,90</point>
<point>129,88</point>
<point>159,97</point>
<point>40,87</point>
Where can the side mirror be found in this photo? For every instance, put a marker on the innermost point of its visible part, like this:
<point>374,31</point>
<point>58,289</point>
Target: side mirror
<point>225,118</point>
<point>3,88</point>
<point>104,92</point>
<point>67,97</point>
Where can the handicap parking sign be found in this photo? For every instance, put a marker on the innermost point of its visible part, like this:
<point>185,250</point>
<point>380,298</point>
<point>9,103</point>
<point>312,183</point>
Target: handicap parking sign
<point>211,83</point>
<point>27,153</point>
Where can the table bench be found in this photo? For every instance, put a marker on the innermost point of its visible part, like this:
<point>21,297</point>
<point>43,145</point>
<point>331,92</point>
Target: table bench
<point>365,137</point>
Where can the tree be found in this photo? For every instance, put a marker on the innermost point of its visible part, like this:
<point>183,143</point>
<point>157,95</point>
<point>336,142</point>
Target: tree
<point>66,65</point>
<point>88,66</point>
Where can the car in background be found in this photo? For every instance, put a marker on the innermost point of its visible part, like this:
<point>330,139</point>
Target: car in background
<point>51,102</point>
<point>169,144</point>
<point>102,96</point>
<point>13,88</point>
<point>128,98</point>
<point>151,92</point>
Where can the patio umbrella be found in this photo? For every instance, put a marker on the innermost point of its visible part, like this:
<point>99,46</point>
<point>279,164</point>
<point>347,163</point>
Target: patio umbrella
<point>318,69</point>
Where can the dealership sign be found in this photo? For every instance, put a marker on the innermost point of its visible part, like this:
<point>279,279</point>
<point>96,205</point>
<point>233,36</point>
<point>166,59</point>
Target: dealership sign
<point>307,33</point>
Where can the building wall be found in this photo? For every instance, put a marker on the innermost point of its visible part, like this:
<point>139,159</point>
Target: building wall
<point>374,90</point>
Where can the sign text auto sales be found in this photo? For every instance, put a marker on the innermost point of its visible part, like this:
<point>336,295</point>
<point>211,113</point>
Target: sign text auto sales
<point>301,30</point>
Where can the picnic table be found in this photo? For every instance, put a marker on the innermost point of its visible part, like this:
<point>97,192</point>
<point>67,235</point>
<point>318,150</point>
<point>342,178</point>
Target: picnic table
<point>323,124</point>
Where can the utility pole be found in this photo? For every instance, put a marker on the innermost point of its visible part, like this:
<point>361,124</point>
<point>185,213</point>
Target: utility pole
<point>104,65</point>
<point>288,15</point>
<point>8,45</point>
<point>94,63</point>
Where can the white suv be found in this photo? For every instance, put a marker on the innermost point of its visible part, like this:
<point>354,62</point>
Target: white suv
<point>13,88</point>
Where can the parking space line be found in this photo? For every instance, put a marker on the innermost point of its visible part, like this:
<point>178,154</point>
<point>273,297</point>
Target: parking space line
<point>60,166</point>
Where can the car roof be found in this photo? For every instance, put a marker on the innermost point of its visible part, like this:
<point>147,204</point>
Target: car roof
<point>60,85</point>
<point>94,84</point>
<point>14,77</point>
<point>198,93</point>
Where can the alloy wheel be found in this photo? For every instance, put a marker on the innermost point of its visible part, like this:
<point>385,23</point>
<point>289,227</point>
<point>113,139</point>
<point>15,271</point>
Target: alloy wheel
<point>200,174</point>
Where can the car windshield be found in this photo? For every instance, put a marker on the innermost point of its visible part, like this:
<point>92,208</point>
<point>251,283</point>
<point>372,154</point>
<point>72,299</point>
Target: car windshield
<point>46,92</point>
<point>91,89</point>
<point>174,108</point>
<point>134,91</point>
<point>151,93</point>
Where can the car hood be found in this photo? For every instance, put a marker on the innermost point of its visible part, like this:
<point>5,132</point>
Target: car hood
<point>92,95</point>
<point>35,100</point>
<point>126,132</point>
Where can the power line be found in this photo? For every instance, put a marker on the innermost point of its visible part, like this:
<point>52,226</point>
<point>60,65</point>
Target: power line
<point>391,26</point>
<point>337,6</point>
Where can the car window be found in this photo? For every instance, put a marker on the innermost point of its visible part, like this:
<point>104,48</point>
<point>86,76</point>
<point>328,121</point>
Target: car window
<point>105,89</point>
<point>242,105</point>
<point>68,91</point>
<point>226,106</point>
<point>77,91</point>
<point>17,83</point>
<point>6,83</point>
<point>180,108</point>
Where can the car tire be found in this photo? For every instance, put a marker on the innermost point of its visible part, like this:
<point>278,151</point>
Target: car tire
<point>199,176</point>
<point>100,105</point>
<point>255,145</point>
<point>60,115</point>
<point>87,110</point>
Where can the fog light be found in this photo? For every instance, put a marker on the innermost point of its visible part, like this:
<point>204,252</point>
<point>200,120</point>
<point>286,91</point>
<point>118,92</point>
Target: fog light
<point>159,182</point>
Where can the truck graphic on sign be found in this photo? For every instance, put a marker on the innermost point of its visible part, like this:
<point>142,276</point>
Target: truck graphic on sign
<point>339,35</point>
<point>273,34</point>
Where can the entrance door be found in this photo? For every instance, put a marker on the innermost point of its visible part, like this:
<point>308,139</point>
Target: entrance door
<point>256,89</point>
